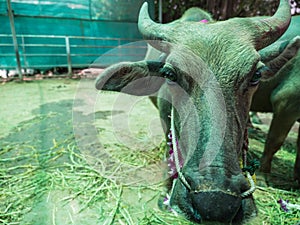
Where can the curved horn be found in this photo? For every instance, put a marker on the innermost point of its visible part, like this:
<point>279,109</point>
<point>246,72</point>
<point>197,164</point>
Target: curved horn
<point>150,29</point>
<point>268,30</point>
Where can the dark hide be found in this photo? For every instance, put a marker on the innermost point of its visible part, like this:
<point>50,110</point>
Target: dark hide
<point>208,74</point>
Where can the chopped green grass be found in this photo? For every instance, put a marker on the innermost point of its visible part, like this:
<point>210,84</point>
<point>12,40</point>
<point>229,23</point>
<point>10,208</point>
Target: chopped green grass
<point>45,179</point>
<point>23,180</point>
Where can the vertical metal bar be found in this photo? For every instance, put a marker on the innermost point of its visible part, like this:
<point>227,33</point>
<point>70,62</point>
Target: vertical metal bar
<point>24,53</point>
<point>68,56</point>
<point>90,9</point>
<point>160,11</point>
<point>119,50</point>
<point>15,41</point>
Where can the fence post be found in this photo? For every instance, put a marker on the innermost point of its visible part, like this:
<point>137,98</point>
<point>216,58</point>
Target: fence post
<point>160,11</point>
<point>24,53</point>
<point>15,41</point>
<point>68,56</point>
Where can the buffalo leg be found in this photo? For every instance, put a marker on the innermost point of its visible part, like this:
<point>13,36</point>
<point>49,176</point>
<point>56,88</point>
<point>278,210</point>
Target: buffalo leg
<point>297,163</point>
<point>280,127</point>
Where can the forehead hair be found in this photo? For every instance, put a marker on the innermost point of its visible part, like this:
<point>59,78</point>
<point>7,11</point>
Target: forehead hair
<point>229,60</point>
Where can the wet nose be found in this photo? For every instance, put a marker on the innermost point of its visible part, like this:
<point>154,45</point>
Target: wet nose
<point>213,195</point>
<point>216,206</point>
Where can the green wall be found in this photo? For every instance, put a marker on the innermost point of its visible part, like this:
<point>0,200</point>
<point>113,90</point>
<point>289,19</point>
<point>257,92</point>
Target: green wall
<point>95,18</point>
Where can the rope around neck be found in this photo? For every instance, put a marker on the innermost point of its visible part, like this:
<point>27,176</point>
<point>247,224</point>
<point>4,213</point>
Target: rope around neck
<point>176,154</point>
<point>248,174</point>
<point>178,168</point>
<point>252,186</point>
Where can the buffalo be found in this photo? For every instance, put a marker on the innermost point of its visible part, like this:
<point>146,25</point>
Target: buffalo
<point>280,93</point>
<point>279,87</point>
<point>203,86</point>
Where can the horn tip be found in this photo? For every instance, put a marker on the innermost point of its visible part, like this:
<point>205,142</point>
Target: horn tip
<point>143,16</point>
<point>145,4</point>
<point>143,10</point>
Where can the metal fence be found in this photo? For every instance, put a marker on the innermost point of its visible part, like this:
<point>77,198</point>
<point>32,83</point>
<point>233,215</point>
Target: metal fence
<point>45,52</point>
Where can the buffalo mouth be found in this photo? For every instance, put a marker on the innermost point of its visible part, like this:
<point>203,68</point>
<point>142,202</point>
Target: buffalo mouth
<point>215,206</point>
<point>218,206</point>
<point>215,197</point>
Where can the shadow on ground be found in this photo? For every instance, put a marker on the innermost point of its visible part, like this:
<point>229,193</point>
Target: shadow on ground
<point>283,162</point>
<point>46,175</point>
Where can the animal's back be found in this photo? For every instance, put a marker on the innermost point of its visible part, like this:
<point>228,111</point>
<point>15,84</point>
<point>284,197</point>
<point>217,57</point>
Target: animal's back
<point>286,82</point>
<point>286,96</point>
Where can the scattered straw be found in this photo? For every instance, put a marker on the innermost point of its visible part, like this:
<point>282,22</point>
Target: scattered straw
<point>28,174</point>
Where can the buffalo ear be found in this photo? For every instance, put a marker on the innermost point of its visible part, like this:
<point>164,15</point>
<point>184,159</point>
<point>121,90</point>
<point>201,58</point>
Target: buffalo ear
<point>135,78</point>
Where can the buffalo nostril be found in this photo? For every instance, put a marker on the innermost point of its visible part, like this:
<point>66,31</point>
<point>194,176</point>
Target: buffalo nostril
<point>216,205</point>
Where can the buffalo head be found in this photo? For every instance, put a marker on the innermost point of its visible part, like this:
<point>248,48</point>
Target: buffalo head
<point>206,81</point>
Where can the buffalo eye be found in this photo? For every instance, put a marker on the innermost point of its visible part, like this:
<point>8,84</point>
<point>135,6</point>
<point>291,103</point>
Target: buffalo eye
<point>261,68</point>
<point>169,73</point>
<point>255,78</point>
